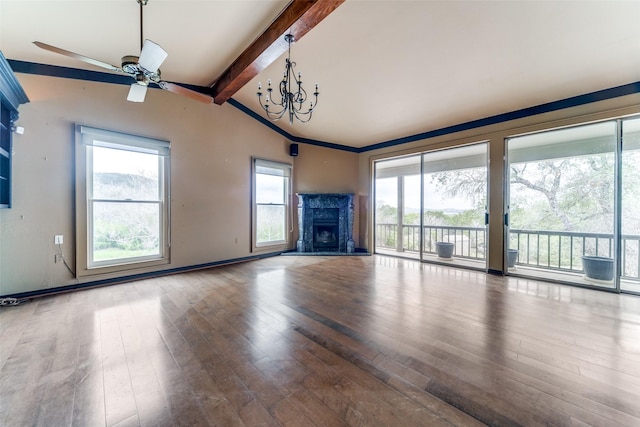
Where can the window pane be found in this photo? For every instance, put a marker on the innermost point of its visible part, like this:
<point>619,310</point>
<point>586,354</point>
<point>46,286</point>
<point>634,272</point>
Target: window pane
<point>630,244</point>
<point>122,175</point>
<point>562,203</point>
<point>125,230</point>
<point>270,189</point>
<point>386,213</point>
<point>270,223</point>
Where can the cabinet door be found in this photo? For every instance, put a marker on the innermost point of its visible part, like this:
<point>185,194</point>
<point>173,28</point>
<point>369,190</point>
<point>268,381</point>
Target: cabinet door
<point>5,157</point>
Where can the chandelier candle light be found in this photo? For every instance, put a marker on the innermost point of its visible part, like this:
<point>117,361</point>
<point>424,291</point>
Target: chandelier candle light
<point>291,102</point>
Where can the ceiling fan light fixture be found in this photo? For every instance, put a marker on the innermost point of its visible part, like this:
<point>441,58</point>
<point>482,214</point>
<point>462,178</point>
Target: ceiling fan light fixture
<point>137,92</point>
<point>152,56</point>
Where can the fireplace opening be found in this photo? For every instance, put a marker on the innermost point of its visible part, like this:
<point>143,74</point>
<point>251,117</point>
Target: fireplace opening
<point>326,229</point>
<point>325,236</point>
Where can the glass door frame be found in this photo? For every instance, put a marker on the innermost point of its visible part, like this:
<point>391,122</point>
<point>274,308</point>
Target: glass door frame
<point>617,215</point>
<point>401,200</point>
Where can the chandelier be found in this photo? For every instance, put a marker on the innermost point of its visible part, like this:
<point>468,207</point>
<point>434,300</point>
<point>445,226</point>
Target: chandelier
<point>290,102</point>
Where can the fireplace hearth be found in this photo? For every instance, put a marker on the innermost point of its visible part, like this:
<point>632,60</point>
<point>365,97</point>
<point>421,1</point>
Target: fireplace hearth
<point>325,223</point>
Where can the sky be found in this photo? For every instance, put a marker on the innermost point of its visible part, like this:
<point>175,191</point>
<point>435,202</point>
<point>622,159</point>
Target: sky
<point>125,162</point>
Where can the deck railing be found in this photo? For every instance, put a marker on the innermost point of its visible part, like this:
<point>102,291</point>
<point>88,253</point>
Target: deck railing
<point>553,250</point>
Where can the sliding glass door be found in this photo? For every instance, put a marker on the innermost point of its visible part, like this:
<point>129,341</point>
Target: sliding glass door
<point>455,202</point>
<point>433,202</point>
<point>572,205</point>
<point>397,206</point>
<point>572,198</point>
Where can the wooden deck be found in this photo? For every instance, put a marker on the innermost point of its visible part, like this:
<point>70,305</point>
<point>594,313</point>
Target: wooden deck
<point>323,341</point>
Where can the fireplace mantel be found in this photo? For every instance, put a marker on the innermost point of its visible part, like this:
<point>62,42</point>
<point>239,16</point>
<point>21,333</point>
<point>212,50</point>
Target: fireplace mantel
<point>318,215</point>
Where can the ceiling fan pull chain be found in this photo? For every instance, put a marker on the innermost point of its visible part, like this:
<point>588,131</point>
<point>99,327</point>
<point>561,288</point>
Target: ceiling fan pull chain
<point>142,3</point>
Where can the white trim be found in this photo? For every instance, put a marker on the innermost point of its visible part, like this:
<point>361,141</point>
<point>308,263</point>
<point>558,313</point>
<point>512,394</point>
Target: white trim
<point>118,140</point>
<point>87,138</point>
<point>287,172</point>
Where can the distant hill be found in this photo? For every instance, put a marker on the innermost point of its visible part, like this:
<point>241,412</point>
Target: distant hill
<point>448,211</point>
<point>120,185</point>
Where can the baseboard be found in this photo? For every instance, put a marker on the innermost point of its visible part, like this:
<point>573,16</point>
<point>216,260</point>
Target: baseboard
<point>130,278</point>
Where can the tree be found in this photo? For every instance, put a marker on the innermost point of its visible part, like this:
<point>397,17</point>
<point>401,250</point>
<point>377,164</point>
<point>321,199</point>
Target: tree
<point>568,194</point>
<point>577,193</point>
<point>469,183</point>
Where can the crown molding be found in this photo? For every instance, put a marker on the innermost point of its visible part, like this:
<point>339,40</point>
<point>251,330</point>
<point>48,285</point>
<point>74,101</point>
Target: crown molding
<point>575,101</point>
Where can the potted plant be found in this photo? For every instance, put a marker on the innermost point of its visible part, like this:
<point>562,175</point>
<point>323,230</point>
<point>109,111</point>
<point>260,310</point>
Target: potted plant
<point>598,268</point>
<point>512,257</point>
<point>445,249</point>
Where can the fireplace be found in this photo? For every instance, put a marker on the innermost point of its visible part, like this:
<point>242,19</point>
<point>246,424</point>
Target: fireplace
<point>325,223</point>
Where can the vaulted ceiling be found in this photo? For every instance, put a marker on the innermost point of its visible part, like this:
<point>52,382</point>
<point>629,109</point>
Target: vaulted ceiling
<point>386,69</point>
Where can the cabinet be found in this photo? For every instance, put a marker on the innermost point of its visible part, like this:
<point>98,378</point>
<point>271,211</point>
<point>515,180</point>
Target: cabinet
<point>11,96</point>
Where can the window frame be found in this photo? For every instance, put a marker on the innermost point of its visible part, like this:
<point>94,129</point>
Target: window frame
<point>276,245</point>
<point>88,137</point>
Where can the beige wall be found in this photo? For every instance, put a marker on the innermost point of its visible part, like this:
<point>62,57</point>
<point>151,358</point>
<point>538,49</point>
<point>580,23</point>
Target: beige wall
<point>325,170</point>
<point>211,150</point>
<point>495,135</point>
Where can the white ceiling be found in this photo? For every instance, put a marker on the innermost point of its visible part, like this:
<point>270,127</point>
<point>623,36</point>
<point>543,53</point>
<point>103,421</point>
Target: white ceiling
<point>386,69</point>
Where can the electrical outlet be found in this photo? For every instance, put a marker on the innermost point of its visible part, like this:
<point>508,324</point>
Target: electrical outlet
<point>58,258</point>
<point>58,239</point>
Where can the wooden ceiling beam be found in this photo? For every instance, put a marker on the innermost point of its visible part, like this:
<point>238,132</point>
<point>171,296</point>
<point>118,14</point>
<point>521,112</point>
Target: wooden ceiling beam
<point>298,18</point>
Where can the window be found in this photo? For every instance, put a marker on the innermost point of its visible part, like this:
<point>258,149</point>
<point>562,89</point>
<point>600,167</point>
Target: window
<point>271,195</point>
<point>122,200</point>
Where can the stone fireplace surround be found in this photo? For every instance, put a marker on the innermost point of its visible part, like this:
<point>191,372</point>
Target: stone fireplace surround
<point>325,222</point>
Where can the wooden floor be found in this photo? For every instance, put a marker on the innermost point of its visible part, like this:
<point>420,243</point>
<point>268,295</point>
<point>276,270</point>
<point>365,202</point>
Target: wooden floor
<point>323,341</point>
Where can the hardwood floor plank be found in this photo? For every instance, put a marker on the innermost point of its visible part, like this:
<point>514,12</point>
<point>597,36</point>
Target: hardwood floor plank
<point>118,392</point>
<point>150,401</point>
<point>254,414</point>
<point>290,341</point>
<point>88,403</point>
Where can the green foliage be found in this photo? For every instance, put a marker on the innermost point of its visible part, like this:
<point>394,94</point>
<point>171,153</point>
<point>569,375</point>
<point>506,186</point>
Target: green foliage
<point>412,218</point>
<point>124,237</point>
<point>270,223</point>
<point>568,194</point>
<point>124,228</point>
<point>467,218</point>
<point>386,214</point>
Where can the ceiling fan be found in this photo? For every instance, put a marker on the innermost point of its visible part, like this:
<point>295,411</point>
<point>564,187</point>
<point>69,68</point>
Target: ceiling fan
<point>144,69</point>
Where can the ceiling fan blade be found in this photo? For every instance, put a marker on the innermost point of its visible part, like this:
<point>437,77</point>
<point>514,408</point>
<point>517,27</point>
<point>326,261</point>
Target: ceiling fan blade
<point>77,56</point>
<point>137,93</point>
<point>180,90</point>
<point>152,56</point>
